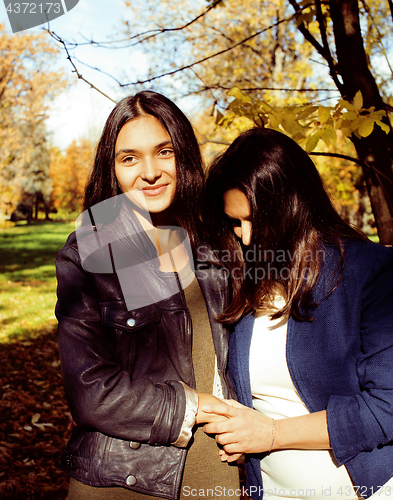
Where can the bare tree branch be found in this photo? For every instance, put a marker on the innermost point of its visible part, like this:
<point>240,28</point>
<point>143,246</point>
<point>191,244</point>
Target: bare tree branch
<point>229,39</point>
<point>97,69</point>
<point>322,50</point>
<point>169,73</point>
<point>204,59</point>
<point>366,8</point>
<point>254,89</point>
<point>305,32</point>
<point>147,34</point>
<point>329,58</point>
<point>58,39</point>
<point>354,160</point>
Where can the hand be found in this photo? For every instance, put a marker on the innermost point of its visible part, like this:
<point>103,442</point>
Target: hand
<point>245,430</point>
<point>202,417</point>
<point>229,457</point>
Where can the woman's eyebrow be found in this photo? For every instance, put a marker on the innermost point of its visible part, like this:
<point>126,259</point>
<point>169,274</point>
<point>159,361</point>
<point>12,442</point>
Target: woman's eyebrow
<point>127,151</point>
<point>162,144</point>
<point>134,151</point>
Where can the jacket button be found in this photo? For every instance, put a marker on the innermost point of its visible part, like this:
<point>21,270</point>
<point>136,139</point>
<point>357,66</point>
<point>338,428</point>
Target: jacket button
<point>131,480</point>
<point>131,322</point>
<point>135,445</point>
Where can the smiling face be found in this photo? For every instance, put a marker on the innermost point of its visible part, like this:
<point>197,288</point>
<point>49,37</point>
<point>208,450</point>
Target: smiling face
<point>145,164</point>
<point>237,209</point>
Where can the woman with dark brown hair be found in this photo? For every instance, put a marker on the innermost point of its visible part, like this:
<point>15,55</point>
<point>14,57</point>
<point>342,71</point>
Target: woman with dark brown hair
<point>140,349</point>
<point>312,349</point>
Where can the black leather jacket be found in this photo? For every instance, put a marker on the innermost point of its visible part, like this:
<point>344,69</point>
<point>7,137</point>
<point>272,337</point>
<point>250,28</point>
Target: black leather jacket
<point>121,371</point>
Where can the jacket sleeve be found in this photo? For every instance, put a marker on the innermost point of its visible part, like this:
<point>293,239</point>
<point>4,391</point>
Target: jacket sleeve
<point>100,394</point>
<point>364,421</point>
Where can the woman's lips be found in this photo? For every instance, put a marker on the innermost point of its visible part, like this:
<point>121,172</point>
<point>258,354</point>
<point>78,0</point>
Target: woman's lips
<point>154,191</point>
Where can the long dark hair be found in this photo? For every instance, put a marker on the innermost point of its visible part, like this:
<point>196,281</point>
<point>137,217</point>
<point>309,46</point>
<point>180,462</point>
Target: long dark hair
<point>102,183</point>
<point>292,221</point>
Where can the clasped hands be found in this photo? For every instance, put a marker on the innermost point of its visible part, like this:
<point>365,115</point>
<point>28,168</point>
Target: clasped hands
<point>241,430</point>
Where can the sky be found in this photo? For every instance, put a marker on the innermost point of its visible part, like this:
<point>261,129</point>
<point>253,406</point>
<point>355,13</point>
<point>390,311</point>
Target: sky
<point>81,111</point>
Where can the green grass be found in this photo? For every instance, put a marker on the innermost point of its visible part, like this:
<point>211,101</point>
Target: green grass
<point>27,278</point>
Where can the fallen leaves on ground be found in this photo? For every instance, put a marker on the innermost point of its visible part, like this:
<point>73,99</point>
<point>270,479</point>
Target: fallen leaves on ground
<point>33,421</point>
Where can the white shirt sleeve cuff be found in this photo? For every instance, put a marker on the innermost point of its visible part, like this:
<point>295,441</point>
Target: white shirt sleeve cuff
<point>189,417</point>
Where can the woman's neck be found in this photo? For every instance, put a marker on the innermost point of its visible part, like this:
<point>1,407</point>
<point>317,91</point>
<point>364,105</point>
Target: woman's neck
<point>171,252</point>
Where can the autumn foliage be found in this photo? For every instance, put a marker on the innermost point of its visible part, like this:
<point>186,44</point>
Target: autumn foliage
<point>28,83</point>
<point>33,421</point>
<point>69,172</point>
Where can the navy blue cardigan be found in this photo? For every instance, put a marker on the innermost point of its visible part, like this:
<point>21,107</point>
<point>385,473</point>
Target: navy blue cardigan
<point>341,362</point>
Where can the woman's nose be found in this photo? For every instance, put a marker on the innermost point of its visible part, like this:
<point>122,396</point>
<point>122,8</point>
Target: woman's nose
<point>151,170</point>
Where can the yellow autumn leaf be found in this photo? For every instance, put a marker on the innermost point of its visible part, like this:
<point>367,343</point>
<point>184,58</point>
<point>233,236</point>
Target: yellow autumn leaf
<point>366,126</point>
<point>35,418</point>
<point>343,104</point>
<point>265,106</point>
<point>238,94</point>
<point>275,119</point>
<point>383,126</point>
<point>323,114</point>
<point>219,116</point>
<point>349,115</point>
<point>358,100</point>
<point>312,142</point>
<point>306,112</point>
<point>328,135</point>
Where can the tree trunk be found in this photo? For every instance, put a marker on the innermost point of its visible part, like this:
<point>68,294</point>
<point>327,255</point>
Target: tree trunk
<point>360,223</point>
<point>36,202</point>
<point>376,150</point>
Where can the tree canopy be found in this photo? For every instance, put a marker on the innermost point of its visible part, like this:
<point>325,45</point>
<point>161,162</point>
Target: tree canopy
<point>27,84</point>
<point>316,70</point>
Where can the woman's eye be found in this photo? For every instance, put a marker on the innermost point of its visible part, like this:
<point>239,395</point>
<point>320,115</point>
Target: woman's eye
<point>129,159</point>
<point>166,152</point>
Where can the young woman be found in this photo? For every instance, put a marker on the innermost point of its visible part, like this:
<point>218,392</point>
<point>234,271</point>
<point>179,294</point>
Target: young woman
<point>312,349</point>
<point>140,349</point>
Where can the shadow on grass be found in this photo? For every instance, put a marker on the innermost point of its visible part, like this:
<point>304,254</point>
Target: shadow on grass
<point>24,248</point>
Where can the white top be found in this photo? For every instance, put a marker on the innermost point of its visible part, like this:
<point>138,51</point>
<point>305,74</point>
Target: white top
<point>287,474</point>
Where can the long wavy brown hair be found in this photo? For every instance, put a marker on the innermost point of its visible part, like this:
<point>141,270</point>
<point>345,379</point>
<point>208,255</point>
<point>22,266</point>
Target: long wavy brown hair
<point>102,183</point>
<point>293,224</point>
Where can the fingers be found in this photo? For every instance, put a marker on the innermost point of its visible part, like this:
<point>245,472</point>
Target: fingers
<point>232,457</point>
<point>218,427</point>
<point>219,409</point>
<point>228,457</point>
<point>234,404</point>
